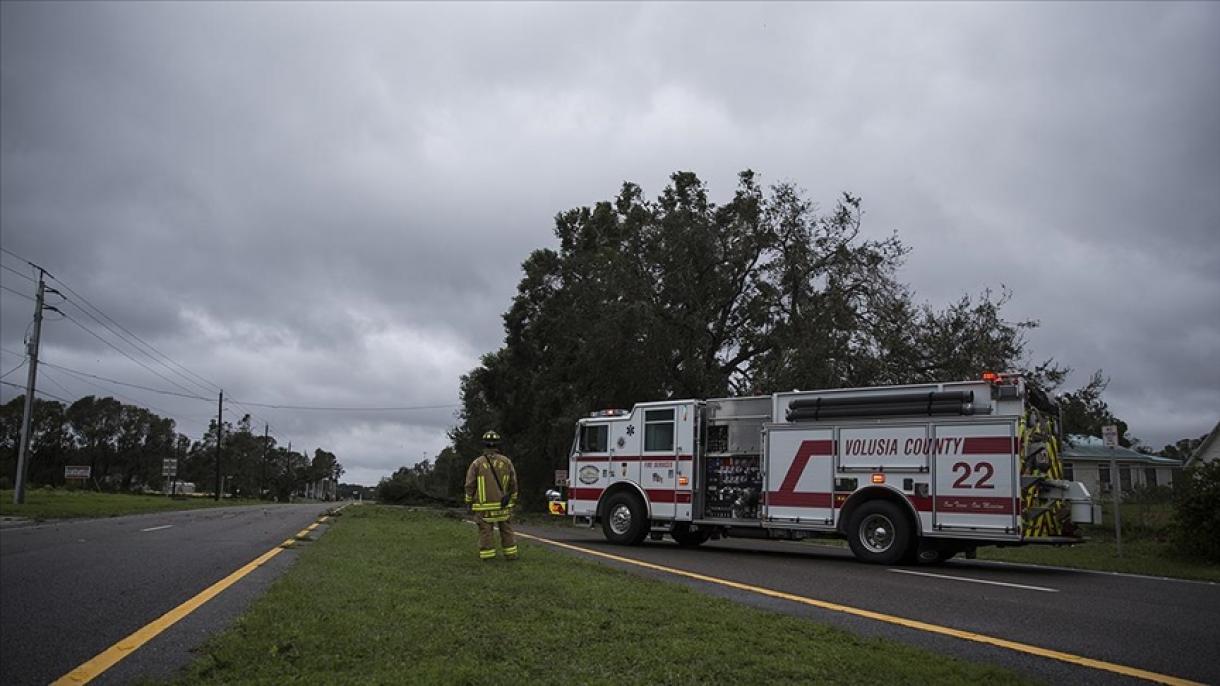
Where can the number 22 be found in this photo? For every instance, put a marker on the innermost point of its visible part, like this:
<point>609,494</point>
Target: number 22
<point>966,471</point>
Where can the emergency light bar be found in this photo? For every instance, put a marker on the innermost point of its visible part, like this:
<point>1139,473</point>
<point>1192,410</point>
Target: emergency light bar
<point>609,413</point>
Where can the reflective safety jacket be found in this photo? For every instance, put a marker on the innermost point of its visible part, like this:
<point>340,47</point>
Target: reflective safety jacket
<point>485,492</point>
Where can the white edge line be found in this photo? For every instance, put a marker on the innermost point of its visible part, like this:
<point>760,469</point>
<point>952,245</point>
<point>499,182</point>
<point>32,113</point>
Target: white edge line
<point>155,528</point>
<point>1058,568</point>
<point>976,581</point>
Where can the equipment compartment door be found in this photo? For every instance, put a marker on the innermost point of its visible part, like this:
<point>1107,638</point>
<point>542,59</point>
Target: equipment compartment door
<point>975,466</point>
<point>800,475</point>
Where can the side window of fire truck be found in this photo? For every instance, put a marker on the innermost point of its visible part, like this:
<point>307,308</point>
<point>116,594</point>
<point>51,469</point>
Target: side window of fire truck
<point>594,438</point>
<point>658,430</point>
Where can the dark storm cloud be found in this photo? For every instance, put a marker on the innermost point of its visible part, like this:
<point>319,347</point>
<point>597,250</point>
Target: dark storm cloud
<point>329,204</point>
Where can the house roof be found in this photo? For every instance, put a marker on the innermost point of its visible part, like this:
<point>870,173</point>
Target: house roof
<point>1204,446</point>
<point>1091,449</point>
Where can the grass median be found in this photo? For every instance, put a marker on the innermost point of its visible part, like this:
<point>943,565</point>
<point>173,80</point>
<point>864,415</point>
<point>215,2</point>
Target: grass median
<point>44,503</point>
<point>1147,547</point>
<point>394,596</point>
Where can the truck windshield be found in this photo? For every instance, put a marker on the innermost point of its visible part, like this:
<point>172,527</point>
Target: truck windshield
<point>594,438</point>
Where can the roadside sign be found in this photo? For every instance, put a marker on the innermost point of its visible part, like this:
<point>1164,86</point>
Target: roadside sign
<point>77,471</point>
<point>169,467</point>
<point>1109,435</point>
<point>561,477</point>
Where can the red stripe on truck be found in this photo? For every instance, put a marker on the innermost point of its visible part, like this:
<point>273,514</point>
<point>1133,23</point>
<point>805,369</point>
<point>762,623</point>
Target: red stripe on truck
<point>633,458</point>
<point>807,450</point>
<point>999,445</point>
<point>586,493</point>
<point>794,499</point>
<point>656,495</point>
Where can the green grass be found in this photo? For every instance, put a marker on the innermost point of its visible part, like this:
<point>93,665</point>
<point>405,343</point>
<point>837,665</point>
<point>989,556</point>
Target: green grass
<point>43,503</point>
<point>393,596</point>
<point>1146,547</point>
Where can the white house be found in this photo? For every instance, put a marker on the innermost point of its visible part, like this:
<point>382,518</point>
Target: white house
<point>1087,459</point>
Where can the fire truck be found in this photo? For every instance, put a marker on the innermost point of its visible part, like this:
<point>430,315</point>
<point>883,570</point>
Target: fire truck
<point>915,473</point>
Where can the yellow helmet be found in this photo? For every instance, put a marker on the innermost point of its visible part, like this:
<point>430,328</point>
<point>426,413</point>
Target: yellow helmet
<point>491,439</point>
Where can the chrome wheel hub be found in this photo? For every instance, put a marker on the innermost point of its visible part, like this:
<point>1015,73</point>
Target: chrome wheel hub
<point>620,519</point>
<point>877,533</point>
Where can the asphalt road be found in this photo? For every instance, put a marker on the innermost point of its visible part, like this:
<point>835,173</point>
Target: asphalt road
<point>70,590</point>
<point>1170,627</point>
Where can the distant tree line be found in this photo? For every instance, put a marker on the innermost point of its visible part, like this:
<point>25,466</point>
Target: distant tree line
<point>126,444</point>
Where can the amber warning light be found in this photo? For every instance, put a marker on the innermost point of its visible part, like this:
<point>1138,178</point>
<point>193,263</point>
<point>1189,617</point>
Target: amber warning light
<point>878,478</point>
<point>991,376</point>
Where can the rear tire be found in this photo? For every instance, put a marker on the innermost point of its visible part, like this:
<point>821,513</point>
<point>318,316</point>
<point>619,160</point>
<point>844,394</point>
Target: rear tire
<point>625,521</point>
<point>880,532</point>
<point>686,538</point>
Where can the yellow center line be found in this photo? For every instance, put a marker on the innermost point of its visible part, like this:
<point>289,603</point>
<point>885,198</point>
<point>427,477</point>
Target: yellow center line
<point>108,658</point>
<point>889,619</point>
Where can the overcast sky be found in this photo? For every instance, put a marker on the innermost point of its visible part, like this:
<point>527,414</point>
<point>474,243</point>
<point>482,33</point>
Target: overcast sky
<point>316,204</point>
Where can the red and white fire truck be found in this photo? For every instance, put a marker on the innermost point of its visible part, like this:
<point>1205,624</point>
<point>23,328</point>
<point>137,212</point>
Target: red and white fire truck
<point>904,473</point>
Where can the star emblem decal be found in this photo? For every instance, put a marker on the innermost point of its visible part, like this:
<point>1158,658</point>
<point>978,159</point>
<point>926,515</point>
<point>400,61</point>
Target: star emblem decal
<point>631,429</point>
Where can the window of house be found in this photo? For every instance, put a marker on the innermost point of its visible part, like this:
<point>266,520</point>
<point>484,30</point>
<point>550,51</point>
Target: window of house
<point>594,438</point>
<point>1150,476</point>
<point>1103,478</point>
<point>1124,478</point>
<point>1068,472</point>
<point>659,429</point>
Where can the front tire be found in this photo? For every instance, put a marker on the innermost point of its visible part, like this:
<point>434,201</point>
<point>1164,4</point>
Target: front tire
<point>880,532</point>
<point>625,521</point>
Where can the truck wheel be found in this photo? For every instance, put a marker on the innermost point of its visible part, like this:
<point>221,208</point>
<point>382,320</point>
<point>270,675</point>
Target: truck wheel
<point>686,538</point>
<point>926,552</point>
<point>879,532</point>
<point>624,521</point>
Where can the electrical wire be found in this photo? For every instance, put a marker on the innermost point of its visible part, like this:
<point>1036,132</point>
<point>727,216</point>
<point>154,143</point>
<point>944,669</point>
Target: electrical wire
<point>350,408</point>
<point>24,276</point>
<point>186,373</point>
<point>31,299</point>
<point>49,395</point>
<point>122,352</point>
<point>124,383</point>
<point>19,366</point>
<point>134,401</point>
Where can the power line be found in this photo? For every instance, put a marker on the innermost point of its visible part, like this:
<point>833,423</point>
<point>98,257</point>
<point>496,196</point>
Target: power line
<point>125,354</point>
<point>19,366</point>
<point>61,387</point>
<point>124,383</point>
<point>206,385</point>
<point>24,276</point>
<point>136,402</point>
<point>350,409</point>
<point>49,395</point>
<point>2,286</point>
<point>137,348</point>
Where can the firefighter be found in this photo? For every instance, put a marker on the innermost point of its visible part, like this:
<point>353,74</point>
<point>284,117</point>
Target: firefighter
<point>491,494</point>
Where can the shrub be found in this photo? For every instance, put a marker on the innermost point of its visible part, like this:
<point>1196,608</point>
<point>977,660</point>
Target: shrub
<point>1197,511</point>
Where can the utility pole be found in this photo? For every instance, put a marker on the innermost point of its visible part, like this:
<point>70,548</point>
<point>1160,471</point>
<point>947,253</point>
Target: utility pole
<point>23,449</point>
<point>262,479</point>
<point>220,429</point>
<point>288,471</point>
